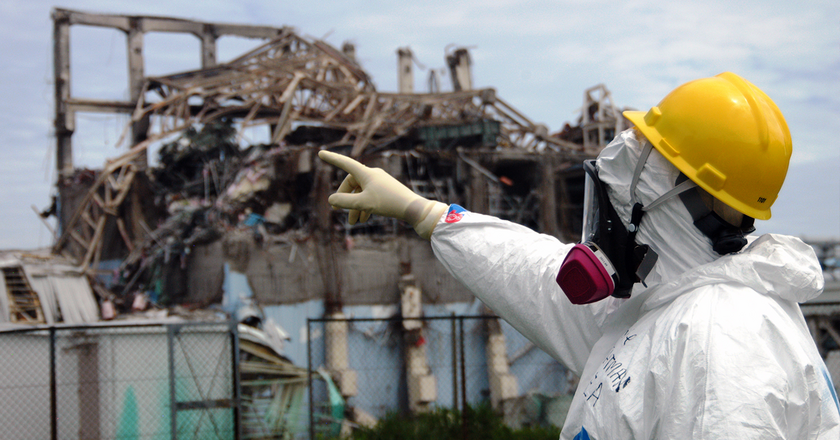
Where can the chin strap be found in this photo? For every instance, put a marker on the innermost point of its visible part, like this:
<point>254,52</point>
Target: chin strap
<point>726,237</point>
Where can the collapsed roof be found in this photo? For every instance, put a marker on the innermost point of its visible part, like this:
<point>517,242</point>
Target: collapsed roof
<point>286,83</point>
<point>291,80</point>
<point>38,288</point>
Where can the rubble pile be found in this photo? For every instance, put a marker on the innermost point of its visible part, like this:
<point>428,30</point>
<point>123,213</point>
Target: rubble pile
<point>209,187</point>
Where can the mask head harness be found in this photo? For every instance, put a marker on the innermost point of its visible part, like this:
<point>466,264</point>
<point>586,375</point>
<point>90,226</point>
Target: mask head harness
<point>608,261</point>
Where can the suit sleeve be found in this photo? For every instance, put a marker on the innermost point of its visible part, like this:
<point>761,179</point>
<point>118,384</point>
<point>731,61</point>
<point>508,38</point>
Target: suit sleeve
<point>512,269</point>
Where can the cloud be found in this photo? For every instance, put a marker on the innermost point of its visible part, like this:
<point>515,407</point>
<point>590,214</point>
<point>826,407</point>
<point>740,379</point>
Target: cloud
<point>809,203</point>
<point>539,55</point>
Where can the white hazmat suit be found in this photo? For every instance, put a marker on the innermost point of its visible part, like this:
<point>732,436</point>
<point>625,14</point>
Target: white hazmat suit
<point>713,348</point>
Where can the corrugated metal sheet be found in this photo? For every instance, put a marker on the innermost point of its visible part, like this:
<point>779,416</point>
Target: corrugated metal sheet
<point>63,293</point>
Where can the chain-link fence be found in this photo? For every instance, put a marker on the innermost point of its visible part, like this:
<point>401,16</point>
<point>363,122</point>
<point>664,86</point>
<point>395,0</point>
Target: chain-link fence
<point>182,381</point>
<point>366,369</point>
<point>163,381</point>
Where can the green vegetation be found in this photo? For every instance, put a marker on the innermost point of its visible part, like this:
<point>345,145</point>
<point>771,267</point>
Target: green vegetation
<point>445,424</point>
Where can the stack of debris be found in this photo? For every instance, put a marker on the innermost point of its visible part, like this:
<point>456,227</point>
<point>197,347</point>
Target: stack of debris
<point>273,387</point>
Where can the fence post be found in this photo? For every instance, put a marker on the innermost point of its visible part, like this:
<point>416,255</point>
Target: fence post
<point>237,386</point>
<point>309,377</point>
<point>463,381</point>
<point>454,361</point>
<point>53,391</point>
<point>173,413</point>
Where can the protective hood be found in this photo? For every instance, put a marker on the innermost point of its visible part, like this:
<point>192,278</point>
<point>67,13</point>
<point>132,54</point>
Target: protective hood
<point>778,266</point>
<point>667,228</point>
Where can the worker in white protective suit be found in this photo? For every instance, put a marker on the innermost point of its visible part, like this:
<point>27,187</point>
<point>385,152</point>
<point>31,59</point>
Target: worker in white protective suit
<point>679,324</point>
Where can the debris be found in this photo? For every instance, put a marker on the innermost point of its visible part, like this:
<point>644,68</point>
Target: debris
<point>37,288</point>
<point>272,387</point>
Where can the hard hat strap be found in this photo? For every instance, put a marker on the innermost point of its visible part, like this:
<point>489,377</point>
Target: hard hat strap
<point>726,238</point>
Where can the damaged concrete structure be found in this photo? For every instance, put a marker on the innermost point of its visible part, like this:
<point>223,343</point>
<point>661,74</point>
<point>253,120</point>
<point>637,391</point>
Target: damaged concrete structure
<point>214,204</point>
<point>467,147</point>
<point>311,96</point>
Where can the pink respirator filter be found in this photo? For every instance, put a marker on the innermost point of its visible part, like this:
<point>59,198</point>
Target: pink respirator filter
<point>586,275</point>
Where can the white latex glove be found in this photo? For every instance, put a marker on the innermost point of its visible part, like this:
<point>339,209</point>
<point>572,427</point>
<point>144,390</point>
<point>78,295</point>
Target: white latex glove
<point>367,191</point>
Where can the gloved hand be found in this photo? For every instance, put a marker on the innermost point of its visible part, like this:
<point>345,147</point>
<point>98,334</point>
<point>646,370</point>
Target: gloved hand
<point>367,191</point>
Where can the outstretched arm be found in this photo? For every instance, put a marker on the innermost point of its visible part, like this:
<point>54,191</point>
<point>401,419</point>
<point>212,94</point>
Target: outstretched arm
<point>509,267</point>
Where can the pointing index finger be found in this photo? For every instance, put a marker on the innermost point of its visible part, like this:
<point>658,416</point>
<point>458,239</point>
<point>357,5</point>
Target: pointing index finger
<point>343,162</point>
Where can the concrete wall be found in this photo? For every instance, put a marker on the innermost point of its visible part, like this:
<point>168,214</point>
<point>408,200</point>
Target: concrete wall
<point>293,271</point>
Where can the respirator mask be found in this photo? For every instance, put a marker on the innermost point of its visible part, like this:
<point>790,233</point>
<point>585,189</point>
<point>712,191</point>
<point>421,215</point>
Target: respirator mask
<point>608,261</point>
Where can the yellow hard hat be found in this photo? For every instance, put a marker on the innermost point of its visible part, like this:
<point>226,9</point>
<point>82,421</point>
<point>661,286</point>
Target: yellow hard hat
<point>727,136</point>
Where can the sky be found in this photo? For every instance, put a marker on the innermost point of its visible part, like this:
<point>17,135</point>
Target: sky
<point>540,56</point>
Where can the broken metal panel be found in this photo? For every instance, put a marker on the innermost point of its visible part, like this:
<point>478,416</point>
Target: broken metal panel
<point>272,386</point>
<point>66,293</point>
<point>44,289</point>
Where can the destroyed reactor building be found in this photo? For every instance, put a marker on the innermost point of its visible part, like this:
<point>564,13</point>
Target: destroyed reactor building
<point>210,201</point>
<point>211,207</point>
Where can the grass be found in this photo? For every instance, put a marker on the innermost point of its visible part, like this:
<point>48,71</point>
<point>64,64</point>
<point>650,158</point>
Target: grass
<point>444,424</point>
